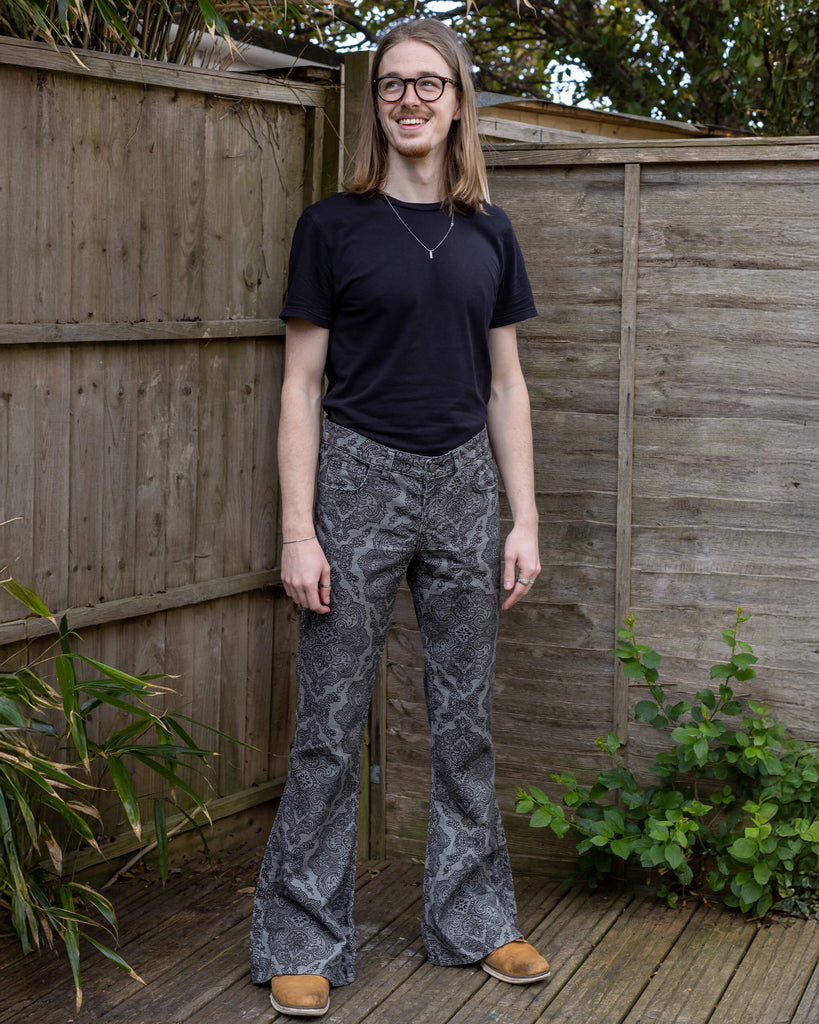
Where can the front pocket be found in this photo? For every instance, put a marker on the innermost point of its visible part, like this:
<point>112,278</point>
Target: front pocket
<point>341,472</point>
<point>484,477</point>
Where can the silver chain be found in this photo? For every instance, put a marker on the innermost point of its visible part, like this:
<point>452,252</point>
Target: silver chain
<point>417,239</point>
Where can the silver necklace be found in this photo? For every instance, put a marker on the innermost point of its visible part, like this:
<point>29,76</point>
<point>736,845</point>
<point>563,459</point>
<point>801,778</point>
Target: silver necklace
<point>417,239</point>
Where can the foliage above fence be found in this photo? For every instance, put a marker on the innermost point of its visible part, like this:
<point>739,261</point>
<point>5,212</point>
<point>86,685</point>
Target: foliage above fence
<point>153,29</point>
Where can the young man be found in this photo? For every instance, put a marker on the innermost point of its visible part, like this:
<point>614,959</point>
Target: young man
<point>405,292</point>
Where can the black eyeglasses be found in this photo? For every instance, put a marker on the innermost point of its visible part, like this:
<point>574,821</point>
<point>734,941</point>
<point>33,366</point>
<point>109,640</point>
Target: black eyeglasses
<point>428,88</point>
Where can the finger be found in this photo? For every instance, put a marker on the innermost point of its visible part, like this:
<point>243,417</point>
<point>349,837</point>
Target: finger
<point>324,589</point>
<point>508,573</point>
<point>523,584</point>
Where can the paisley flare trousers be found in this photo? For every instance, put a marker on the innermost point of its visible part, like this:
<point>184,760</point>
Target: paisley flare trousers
<point>382,513</point>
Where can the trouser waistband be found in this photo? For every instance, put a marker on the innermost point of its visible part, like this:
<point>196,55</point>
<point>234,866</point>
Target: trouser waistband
<point>375,454</point>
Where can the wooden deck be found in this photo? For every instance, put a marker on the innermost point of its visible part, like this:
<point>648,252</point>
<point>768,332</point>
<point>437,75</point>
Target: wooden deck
<point>621,958</point>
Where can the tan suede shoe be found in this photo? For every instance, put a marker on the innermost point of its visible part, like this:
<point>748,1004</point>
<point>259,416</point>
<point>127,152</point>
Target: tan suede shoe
<point>517,962</point>
<point>300,995</point>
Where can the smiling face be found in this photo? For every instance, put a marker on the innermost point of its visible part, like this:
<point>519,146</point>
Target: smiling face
<point>416,130</point>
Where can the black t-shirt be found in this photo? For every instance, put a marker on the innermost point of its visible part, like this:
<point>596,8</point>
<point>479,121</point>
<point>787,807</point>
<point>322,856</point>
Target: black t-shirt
<point>408,358</point>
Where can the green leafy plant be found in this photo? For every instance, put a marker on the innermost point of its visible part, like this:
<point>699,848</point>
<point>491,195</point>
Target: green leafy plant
<point>48,757</point>
<point>733,807</point>
<point>155,29</point>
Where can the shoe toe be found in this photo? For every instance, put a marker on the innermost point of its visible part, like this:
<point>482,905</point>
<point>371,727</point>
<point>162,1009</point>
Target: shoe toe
<point>300,995</point>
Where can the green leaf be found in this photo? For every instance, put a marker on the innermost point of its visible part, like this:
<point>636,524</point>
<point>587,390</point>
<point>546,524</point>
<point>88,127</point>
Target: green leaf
<point>651,659</point>
<point>67,681</point>
<point>125,791</point>
<point>766,812</point>
<point>633,670</point>
<point>161,839</point>
<point>71,939</point>
<point>621,847</point>
<point>743,849</point>
<point>115,958</point>
<point>28,598</point>
<point>674,856</point>
<point>645,711</point>
<point>762,873</point>
<point>708,698</point>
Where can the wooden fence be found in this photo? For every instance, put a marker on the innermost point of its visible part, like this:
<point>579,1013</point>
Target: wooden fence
<point>147,213</point>
<point>674,376</point>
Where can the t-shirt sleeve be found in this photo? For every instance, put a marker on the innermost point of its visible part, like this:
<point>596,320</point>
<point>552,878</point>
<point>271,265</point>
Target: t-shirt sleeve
<point>310,292</point>
<point>514,301</point>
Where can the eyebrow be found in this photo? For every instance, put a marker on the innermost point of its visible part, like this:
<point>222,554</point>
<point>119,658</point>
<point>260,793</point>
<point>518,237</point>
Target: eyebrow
<point>420,74</point>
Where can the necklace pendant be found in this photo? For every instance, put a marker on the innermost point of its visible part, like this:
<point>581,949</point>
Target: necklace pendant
<point>430,253</point>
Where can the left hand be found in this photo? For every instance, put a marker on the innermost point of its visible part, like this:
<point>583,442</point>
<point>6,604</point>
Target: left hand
<point>521,563</point>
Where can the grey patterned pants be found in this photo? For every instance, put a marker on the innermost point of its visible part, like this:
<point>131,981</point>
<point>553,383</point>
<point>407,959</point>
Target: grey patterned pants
<point>382,513</point>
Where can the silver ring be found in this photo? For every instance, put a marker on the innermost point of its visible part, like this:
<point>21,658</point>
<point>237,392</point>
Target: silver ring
<point>324,586</point>
<point>526,583</point>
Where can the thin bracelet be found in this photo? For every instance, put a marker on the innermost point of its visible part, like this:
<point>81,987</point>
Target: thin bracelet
<point>299,540</point>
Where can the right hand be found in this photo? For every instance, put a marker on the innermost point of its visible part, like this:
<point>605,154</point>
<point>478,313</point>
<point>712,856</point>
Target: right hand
<point>306,575</point>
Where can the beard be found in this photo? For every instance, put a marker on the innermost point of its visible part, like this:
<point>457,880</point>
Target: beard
<point>413,148</point>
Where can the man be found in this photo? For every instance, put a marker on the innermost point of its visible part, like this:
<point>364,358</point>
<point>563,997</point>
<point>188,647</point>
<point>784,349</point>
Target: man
<point>405,292</point>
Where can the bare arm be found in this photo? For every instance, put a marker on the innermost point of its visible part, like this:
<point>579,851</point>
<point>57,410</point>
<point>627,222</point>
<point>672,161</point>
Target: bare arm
<point>305,570</point>
<point>510,434</point>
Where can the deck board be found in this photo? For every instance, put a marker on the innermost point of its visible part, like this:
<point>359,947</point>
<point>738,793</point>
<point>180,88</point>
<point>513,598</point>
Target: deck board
<point>619,957</point>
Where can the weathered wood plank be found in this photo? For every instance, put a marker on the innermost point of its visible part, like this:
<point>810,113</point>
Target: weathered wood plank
<point>211,468</point>
<point>135,607</point>
<point>184,445</point>
<point>19,422</point>
<point>140,330</point>
<point>50,510</point>
<point>87,63</point>
<point>119,469</point>
<point>696,971</point>
<point>612,978</point>
<point>808,1009</point>
<point>661,152</point>
<point>625,433</point>
<point>18,181</point>
<point>783,953</point>
<point>171,249</point>
<point>85,526</point>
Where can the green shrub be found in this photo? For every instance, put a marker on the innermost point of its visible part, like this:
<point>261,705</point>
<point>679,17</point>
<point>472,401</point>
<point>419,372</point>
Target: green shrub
<point>733,806</point>
<point>45,807</point>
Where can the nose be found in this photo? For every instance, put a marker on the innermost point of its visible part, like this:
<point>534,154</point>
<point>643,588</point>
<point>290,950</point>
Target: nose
<point>410,97</point>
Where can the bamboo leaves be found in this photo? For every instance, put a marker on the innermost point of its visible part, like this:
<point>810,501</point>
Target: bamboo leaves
<point>47,758</point>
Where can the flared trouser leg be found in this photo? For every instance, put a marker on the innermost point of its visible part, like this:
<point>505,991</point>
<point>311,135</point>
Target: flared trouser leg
<point>381,513</point>
<point>469,906</point>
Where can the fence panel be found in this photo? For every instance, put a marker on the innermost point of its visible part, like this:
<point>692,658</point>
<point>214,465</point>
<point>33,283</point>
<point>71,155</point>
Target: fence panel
<point>673,374</point>
<point>148,212</point>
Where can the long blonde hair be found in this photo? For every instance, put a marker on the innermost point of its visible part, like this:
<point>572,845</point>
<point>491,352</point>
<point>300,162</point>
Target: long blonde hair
<point>465,181</point>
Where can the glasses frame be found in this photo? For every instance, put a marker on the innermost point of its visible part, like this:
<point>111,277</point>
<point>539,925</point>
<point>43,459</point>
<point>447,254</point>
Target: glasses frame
<point>407,81</point>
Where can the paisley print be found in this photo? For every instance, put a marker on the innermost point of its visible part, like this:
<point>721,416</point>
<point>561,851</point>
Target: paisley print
<point>382,513</point>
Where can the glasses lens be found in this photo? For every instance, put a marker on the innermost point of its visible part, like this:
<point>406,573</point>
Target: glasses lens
<point>429,88</point>
<point>390,89</point>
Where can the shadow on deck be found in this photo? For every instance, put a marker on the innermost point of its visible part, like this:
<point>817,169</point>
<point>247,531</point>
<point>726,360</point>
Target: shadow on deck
<point>621,958</point>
